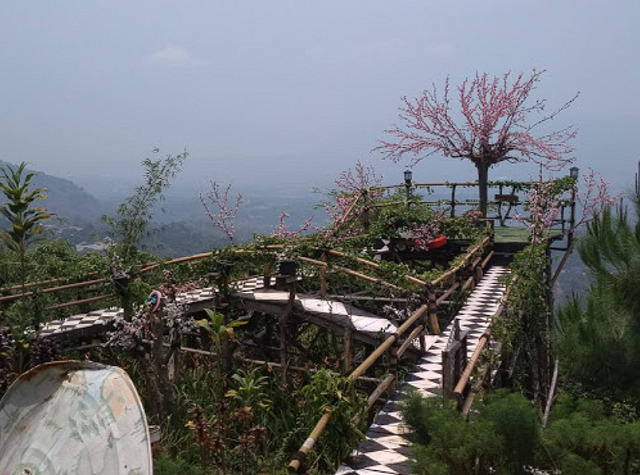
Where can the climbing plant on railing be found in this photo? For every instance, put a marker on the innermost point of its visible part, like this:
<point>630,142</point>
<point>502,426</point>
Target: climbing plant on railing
<point>330,391</point>
<point>525,327</point>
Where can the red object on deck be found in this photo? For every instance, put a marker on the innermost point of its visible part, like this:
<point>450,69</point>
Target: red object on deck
<point>440,241</point>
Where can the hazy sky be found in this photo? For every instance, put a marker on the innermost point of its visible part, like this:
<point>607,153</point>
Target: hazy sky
<point>295,91</point>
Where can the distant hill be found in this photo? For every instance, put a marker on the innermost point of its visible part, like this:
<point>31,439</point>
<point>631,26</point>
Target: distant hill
<point>67,200</point>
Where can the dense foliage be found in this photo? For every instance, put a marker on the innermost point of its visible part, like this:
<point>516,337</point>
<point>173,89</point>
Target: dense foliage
<point>504,437</point>
<point>600,340</point>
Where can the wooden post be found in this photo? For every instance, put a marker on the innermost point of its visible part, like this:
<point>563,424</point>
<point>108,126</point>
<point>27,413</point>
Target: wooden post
<point>453,200</point>
<point>477,275</point>
<point>447,373</point>
<point>323,275</point>
<point>366,219</point>
<point>348,348</point>
<point>433,314</point>
<point>393,364</point>
<point>283,320</point>
<point>572,219</point>
<point>500,206</point>
<point>267,275</point>
<point>454,360</point>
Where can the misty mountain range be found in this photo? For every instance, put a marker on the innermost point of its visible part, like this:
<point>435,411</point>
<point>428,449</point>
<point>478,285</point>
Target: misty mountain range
<point>179,224</point>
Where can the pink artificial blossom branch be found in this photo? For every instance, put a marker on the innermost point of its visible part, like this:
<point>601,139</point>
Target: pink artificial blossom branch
<point>219,211</point>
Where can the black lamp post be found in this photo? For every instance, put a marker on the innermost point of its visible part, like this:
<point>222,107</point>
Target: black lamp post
<point>573,173</point>
<point>408,176</point>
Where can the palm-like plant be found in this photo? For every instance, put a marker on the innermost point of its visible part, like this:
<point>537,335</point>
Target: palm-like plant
<point>24,219</point>
<point>221,334</point>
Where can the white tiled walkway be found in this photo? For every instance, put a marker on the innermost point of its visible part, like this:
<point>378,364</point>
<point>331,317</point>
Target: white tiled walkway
<point>385,450</point>
<point>252,289</point>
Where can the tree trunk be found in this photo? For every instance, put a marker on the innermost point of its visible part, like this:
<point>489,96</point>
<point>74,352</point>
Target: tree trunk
<point>483,180</point>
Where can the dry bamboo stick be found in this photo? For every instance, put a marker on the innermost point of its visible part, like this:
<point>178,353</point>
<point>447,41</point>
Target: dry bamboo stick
<point>365,379</point>
<point>550,395</point>
<point>178,260</point>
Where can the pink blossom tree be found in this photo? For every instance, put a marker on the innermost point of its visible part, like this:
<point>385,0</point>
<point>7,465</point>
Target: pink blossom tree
<point>493,125</point>
<point>349,185</point>
<point>545,205</point>
<point>281,229</point>
<point>218,209</point>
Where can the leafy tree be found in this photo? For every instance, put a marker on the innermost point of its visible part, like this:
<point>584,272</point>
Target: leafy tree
<point>600,341</point>
<point>19,210</point>
<point>493,126</point>
<point>584,439</point>
<point>135,213</point>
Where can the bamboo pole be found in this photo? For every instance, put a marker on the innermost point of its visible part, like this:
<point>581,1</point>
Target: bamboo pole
<point>448,293</point>
<point>468,283</point>
<point>82,301</point>
<point>42,282</point>
<point>298,458</point>
<point>366,298</point>
<point>382,387</point>
<point>364,379</point>
<point>464,262</point>
<point>374,265</point>
<point>177,260</point>
<point>466,374</point>
<point>351,272</point>
<point>75,285</point>
<point>407,343</point>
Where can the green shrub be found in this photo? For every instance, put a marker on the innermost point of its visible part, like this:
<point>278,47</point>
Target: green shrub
<point>165,465</point>
<point>443,441</point>
<point>515,421</point>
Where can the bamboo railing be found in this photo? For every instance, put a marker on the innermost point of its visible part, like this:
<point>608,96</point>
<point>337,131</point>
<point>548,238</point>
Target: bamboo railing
<point>305,448</point>
<point>464,405</point>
